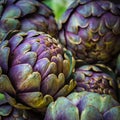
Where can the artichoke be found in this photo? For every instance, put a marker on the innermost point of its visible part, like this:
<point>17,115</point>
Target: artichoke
<point>84,106</point>
<point>96,78</point>
<point>26,15</point>
<point>38,68</point>
<point>90,29</point>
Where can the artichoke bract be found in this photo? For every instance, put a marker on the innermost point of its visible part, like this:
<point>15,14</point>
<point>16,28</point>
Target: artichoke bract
<point>84,106</point>
<point>26,15</point>
<point>38,69</point>
<point>91,30</point>
<point>96,78</point>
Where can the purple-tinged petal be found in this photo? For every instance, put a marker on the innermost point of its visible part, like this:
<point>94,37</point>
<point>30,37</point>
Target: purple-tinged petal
<point>35,99</point>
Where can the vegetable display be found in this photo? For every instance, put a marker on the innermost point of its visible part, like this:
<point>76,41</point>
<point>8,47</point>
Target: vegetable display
<point>59,60</point>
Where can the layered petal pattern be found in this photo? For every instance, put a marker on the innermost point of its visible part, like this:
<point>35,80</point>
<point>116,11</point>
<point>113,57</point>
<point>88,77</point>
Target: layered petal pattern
<point>96,78</point>
<point>84,106</point>
<point>91,30</point>
<point>38,69</point>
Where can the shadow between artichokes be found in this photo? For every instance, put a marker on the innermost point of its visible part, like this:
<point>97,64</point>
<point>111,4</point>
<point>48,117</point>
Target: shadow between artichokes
<point>38,69</point>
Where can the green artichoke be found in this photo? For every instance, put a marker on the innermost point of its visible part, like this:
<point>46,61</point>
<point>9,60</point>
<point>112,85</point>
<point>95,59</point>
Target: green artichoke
<point>90,29</point>
<point>26,15</point>
<point>84,106</point>
<point>96,78</point>
<point>38,69</point>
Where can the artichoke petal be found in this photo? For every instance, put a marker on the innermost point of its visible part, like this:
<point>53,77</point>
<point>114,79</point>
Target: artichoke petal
<point>59,62</point>
<point>113,113</point>
<point>66,89</point>
<point>36,99</point>
<point>26,25</point>
<point>4,55</point>
<point>52,68</point>
<point>5,110</point>
<point>8,24</point>
<point>15,41</point>
<point>91,113</point>
<point>26,7</point>
<point>11,12</point>
<point>24,78</point>
<point>5,85</point>
<point>54,82</point>
<point>74,38</point>
<point>42,65</point>
<point>12,101</point>
<point>29,57</point>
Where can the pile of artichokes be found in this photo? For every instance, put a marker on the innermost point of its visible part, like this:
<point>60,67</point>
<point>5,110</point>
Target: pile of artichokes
<point>59,62</point>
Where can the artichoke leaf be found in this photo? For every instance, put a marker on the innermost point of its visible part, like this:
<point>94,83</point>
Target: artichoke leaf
<point>11,12</point>
<point>8,23</point>
<point>35,99</point>
<point>113,113</point>
<point>12,101</point>
<point>91,113</point>
<point>31,83</point>
<point>24,79</point>
<point>54,82</point>
<point>26,7</point>
<point>4,55</point>
<point>68,64</point>
<point>65,90</point>
<point>5,110</point>
<point>5,85</point>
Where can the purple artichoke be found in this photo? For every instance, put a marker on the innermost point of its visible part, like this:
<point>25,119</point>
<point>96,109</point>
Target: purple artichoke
<point>84,106</point>
<point>91,30</point>
<point>96,78</point>
<point>38,70</point>
<point>26,15</point>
